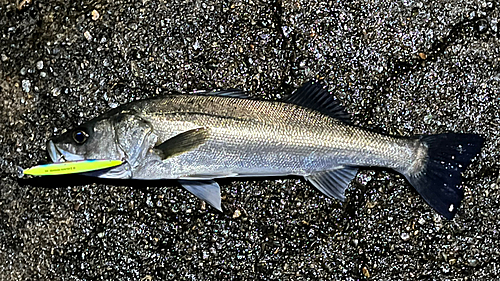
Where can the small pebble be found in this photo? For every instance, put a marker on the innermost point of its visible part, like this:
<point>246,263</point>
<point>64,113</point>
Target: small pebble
<point>405,236</point>
<point>56,92</point>
<point>87,35</point>
<point>26,84</point>
<point>366,272</point>
<point>421,221</point>
<point>482,26</point>
<point>196,45</point>
<point>39,64</point>
<point>473,262</point>
<point>236,214</point>
<point>95,15</point>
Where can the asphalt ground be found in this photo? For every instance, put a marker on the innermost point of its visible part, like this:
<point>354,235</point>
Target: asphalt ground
<point>399,67</point>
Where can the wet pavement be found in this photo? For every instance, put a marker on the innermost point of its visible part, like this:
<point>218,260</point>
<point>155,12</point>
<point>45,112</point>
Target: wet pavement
<point>404,67</point>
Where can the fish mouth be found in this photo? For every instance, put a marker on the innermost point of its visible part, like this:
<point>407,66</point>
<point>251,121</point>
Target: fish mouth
<point>58,155</point>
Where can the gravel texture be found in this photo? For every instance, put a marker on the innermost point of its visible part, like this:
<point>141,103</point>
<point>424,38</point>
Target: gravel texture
<point>401,67</point>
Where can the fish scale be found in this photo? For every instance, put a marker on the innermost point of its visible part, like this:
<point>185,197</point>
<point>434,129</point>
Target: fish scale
<point>291,129</point>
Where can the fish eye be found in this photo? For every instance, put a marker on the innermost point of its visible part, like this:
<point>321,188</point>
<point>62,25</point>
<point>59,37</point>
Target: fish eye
<point>80,136</point>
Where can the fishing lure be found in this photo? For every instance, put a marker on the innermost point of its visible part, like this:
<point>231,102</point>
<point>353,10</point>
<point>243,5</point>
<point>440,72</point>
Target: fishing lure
<point>70,167</point>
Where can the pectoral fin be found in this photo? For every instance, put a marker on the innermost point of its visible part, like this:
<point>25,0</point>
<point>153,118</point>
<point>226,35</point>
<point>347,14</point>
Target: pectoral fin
<point>182,142</point>
<point>207,190</point>
<point>333,183</point>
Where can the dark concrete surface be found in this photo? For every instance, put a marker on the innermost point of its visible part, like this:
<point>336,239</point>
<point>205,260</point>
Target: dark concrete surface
<point>402,67</point>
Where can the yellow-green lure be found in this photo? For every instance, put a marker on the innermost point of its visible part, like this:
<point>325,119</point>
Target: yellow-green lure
<point>71,167</point>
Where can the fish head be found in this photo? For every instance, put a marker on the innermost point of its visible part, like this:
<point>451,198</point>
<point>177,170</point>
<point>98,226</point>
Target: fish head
<point>92,140</point>
<point>119,136</point>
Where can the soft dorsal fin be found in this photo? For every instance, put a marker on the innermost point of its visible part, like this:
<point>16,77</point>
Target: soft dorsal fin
<point>182,142</point>
<point>312,95</point>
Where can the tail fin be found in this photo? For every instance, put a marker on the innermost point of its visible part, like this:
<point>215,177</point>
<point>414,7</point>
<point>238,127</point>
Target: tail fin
<point>447,156</point>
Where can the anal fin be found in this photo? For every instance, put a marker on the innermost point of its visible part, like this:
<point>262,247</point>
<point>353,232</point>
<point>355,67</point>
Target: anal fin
<point>206,190</point>
<point>333,183</point>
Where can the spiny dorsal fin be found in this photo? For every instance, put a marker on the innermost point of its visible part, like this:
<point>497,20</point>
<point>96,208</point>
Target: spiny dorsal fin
<point>232,93</point>
<point>312,95</point>
<point>182,142</point>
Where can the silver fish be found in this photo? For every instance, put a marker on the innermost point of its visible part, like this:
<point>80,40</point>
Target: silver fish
<point>198,138</point>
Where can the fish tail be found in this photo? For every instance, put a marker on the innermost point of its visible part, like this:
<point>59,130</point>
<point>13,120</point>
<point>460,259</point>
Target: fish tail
<point>438,182</point>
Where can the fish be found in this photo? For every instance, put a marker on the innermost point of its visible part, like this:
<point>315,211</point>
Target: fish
<point>198,138</point>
